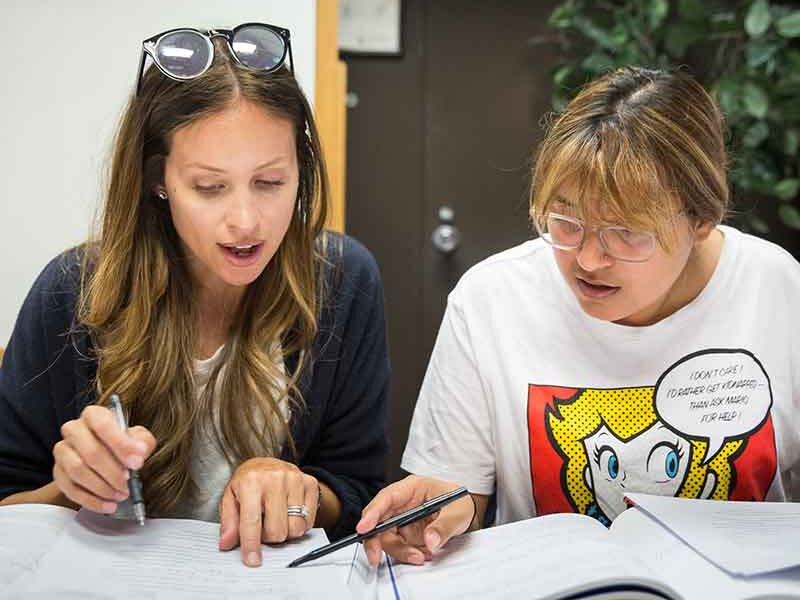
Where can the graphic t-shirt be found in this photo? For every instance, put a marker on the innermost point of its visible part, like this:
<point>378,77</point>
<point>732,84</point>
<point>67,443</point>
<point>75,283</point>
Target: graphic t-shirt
<point>556,411</point>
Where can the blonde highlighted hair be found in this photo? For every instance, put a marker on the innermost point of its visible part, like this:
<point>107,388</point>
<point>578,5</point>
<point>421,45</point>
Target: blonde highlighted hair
<point>137,298</point>
<point>636,146</point>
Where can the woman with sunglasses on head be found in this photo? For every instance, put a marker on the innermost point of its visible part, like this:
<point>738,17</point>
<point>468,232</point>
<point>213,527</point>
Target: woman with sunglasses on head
<point>637,345</point>
<point>247,344</point>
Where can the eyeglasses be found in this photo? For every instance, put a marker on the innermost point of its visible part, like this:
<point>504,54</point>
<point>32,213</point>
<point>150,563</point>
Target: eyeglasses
<point>569,233</point>
<point>183,54</point>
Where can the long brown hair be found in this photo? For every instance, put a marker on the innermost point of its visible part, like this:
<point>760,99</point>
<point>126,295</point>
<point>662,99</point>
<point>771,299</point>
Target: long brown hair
<point>649,143</point>
<point>137,298</point>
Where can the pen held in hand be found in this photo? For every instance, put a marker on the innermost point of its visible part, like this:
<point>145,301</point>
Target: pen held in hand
<point>415,514</point>
<point>134,483</point>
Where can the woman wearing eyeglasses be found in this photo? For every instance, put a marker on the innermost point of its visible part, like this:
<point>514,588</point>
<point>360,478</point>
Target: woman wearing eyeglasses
<point>247,345</point>
<point>637,345</point>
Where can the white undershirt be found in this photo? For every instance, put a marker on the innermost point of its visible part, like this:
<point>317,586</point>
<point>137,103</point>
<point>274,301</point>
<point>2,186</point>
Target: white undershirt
<point>209,469</point>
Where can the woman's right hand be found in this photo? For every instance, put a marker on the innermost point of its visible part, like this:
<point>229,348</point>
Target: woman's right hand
<point>419,541</point>
<point>93,458</point>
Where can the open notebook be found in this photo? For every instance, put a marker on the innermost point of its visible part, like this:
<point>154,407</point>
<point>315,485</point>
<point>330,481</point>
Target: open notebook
<point>568,556</point>
<point>48,552</point>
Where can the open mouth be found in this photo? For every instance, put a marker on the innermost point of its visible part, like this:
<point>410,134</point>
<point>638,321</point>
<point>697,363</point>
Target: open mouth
<point>241,253</point>
<point>595,290</point>
<point>246,250</point>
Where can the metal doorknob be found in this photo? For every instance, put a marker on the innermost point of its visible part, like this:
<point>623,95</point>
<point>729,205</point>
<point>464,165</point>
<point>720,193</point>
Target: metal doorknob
<point>446,237</point>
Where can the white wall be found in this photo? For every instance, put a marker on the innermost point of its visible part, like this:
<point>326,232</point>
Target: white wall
<point>68,68</point>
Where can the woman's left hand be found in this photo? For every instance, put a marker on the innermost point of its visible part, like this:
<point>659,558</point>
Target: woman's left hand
<point>255,506</point>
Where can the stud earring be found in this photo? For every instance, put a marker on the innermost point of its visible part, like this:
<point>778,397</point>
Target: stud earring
<point>162,194</point>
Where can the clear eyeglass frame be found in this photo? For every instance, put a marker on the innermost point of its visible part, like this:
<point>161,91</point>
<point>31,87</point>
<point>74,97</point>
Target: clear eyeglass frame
<point>619,248</point>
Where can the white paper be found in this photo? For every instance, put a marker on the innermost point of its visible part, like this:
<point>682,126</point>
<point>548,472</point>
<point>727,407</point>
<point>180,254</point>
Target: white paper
<point>96,558</point>
<point>688,572</point>
<point>745,538</point>
<point>26,532</point>
<point>536,559</point>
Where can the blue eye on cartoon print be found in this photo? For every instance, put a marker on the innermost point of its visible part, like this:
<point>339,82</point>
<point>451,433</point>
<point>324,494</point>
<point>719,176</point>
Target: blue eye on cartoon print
<point>664,461</point>
<point>607,460</point>
<point>671,464</point>
<point>613,466</point>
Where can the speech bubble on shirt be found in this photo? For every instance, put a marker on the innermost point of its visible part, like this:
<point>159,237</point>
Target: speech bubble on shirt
<point>719,395</point>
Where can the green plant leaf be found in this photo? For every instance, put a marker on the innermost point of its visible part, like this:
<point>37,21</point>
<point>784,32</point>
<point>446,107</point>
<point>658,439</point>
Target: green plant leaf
<point>791,141</point>
<point>755,134</point>
<point>789,215</point>
<point>724,20</point>
<point>758,52</point>
<point>563,16</point>
<point>787,112</point>
<point>656,13</point>
<point>692,10</point>
<point>793,60</point>
<point>787,189</point>
<point>758,18</point>
<point>756,101</point>
<point>680,36</point>
<point>632,54</point>
<point>763,169</point>
<point>619,35</point>
<point>728,93</point>
<point>789,25</point>
<point>608,39</point>
<point>560,101</point>
<point>597,62</point>
<point>562,73</point>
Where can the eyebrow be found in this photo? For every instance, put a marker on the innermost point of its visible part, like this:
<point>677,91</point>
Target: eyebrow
<point>269,163</point>
<point>559,198</point>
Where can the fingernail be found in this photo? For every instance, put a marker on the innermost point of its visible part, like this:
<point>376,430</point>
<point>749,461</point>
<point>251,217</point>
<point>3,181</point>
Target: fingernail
<point>253,559</point>
<point>433,541</point>
<point>120,496</point>
<point>109,507</point>
<point>134,462</point>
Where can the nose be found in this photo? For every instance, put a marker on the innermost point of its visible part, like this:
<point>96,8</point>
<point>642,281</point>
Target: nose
<point>241,214</point>
<point>591,254</point>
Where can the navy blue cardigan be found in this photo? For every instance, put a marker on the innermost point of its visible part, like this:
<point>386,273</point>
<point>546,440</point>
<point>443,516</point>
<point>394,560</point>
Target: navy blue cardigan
<point>47,372</point>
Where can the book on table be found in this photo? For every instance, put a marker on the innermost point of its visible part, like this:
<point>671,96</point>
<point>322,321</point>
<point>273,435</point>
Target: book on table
<point>48,551</point>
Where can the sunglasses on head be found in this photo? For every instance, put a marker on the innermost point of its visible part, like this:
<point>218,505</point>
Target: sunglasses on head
<point>186,53</point>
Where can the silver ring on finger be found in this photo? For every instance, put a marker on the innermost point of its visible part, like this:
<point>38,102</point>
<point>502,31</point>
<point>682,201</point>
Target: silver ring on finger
<point>298,511</point>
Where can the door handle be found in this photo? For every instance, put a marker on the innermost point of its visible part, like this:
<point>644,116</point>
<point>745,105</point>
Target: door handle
<point>446,237</point>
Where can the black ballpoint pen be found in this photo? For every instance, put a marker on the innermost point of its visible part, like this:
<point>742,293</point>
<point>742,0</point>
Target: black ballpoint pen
<point>415,514</point>
<point>134,483</point>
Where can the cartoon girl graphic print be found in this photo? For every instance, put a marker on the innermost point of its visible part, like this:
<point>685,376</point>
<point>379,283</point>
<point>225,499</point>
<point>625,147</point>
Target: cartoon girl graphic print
<point>589,447</point>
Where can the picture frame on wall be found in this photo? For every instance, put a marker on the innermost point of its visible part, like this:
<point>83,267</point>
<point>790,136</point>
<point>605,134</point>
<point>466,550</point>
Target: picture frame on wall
<point>370,28</point>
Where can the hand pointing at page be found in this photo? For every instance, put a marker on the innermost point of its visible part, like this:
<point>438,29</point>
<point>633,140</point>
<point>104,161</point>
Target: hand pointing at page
<point>417,542</point>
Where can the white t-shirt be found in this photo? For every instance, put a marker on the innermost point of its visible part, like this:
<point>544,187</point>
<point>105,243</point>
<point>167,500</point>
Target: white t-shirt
<point>561,412</point>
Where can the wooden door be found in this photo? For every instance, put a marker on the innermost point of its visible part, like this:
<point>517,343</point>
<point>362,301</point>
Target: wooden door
<point>453,122</point>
